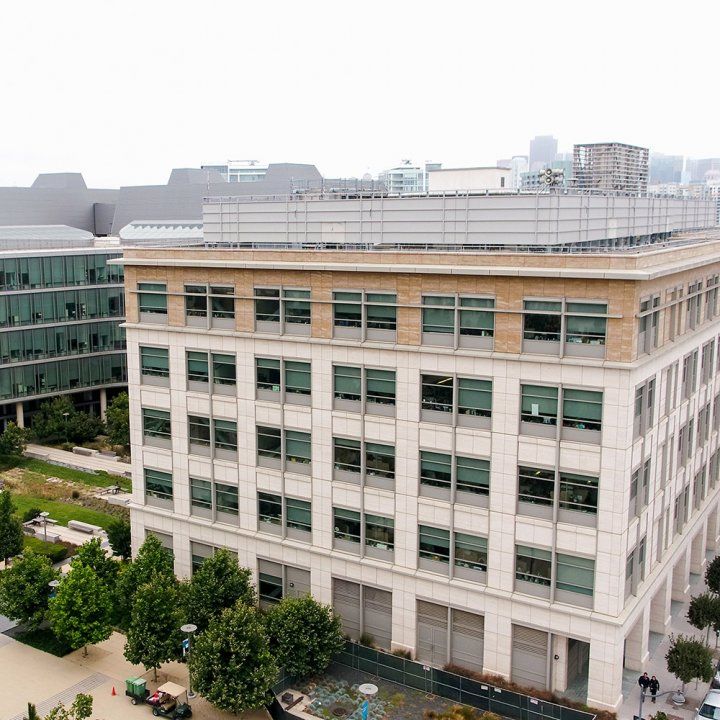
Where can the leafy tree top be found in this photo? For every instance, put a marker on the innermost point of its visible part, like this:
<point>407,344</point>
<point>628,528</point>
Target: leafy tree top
<point>688,659</point>
<point>11,532</point>
<point>80,611</point>
<point>117,418</point>
<point>217,584</point>
<point>712,575</point>
<point>231,664</point>
<point>304,634</point>
<point>703,610</point>
<point>13,440</point>
<point>118,533</point>
<point>25,591</point>
<point>81,709</point>
<point>94,556</point>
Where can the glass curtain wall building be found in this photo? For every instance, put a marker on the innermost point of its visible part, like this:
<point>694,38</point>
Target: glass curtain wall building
<point>60,329</point>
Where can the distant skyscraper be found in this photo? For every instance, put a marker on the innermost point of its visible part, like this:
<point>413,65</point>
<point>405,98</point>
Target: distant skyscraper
<point>543,149</point>
<point>697,168</point>
<point>518,166</point>
<point>665,168</point>
<point>239,170</point>
<point>611,166</point>
<point>407,178</point>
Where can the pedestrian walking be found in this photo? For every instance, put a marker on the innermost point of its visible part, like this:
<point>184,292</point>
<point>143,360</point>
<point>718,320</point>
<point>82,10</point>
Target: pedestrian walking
<point>654,687</point>
<point>644,682</point>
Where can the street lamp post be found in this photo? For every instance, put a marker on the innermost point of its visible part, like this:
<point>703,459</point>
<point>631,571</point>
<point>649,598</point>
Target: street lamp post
<point>44,515</point>
<point>53,585</point>
<point>677,693</point>
<point>66,415</point>
<point>189,629</point>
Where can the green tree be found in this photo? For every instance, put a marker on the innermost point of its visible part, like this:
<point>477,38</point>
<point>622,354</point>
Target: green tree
<point>712,575</point>
<point>152,559</point>
<point>94,556</point>
<point>24,590</point>
<point>80,611</point>
<point>154,636</point>
<point>81,709</point>
<point>689,659</point>
<point>57,420</point>
<point>32,713</point>
<point>703,611</point>
<point>117,419</point>
<point>304,635</point>
<point>217,584</point>
<point>231,665</point>
<point>118,533</point>
<point>11,532</point>
<point>13,441</point>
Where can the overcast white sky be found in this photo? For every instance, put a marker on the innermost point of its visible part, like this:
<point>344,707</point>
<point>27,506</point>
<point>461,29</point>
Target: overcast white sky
<point>123,91</point>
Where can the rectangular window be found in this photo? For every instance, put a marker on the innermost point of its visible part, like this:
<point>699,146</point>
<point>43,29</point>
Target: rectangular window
<point>223,367</point>
<point>648,323</point>
<point>542,320</point>
<point>152,298</point>
<point>269,443</point>
<point>298,515</point>
<point>156,424</point>
<point>298,447</point>
<point>154,362</point>
<point>533,565</point>
<point>347,383</point>
<point>296,306</point>
<point>474,397</point>
<point>270,588</point>
<point>158,484</point>
<point>539,404</point>
<point>475,318</point>
<point>225,435</point>
<point>347,456</point>
<point>297,377</point>
<point>582,409</point>
<point>575,574</point>
<point>222,304</point>
<point>199,430</point>
<point>536,485</point>
<point>347,309</point>
<point>578,493</point>
<point>267,375</point>
<point>267,306</point>
<point>283,380</point>
<point>437,393</point>
<point>379,532</point>
<point>582,327</point>
<point>347,525</point>
<point>470,552</point>
<point>369,314</point>
<point>436,470</point>
<point>380,386</point>
<point>434,544</point>
<point>381,311</point>
<point>269,508</point>
<point>438,315</point>
<point>198,369</point>
<point>200,494</point>
<point>473,475</point>
<point>226,499</point>
<point>196,301</point>
<point>380,460</point>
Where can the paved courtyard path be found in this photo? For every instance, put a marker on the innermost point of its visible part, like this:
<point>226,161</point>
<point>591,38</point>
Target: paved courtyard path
<point>80,462</point>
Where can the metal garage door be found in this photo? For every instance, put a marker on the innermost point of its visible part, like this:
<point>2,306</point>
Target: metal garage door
<point>346,601</point>
<point>297,582</point>
<point>378,615</point>
<point>529,657</point>
<point>468,635</point>
<point>432,633</point>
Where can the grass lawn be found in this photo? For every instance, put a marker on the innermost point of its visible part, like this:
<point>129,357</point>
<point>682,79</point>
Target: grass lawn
<point>100,479</point>
<point>62,511</point>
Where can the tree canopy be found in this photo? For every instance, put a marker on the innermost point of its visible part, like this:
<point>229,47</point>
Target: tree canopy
<point>94,556</point>
<point>217,584</point>
<point>11,532</point>
<point>712,575</point>
<point>304,635</point>
<point>231,665</point>
<point>118,533</point>
<point>25,591</point>
<point>13,440</point>
<point>688,659</point>
<point>81,609</point>
<point>117,419</point>
<point>57,420</point>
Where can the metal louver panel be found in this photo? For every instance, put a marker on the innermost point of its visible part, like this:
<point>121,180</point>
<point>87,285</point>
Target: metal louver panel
<point>378,615</point>
<point>432,633</point>
<point>468,640</point>
<point>346,601</point>
<point>529,657</point>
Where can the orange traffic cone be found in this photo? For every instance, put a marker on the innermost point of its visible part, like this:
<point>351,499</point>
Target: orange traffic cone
<point>113,691</point>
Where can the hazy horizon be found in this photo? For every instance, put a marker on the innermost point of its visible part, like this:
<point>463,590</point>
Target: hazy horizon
<point>125,92</point>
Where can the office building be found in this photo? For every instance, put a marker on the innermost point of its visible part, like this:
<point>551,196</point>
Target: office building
<point>483,428</point>
<point>518,166</point>
<point>407,178</point>
<point>543,149</point>
<point>665,169</point>
<point>613,167</point>
<point>238,170</point>
<point>698,168</point>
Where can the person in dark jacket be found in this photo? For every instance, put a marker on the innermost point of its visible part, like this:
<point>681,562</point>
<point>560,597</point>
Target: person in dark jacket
<point>644,682</point>
<point>654,686</point>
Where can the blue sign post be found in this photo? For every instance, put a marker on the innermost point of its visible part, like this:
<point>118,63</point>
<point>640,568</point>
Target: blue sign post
<point>365,708</point>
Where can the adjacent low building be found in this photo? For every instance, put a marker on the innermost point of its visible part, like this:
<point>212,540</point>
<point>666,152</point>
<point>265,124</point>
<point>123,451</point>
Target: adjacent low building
<point>484,428</point>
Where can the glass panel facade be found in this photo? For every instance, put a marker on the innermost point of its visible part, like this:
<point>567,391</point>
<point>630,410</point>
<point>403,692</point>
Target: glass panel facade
<point>533,565</point>
<point>269,508</point>
<point>198,369</point>
<point>539,404</point>
<point>438,314</point>
<point>156,423</point>
<point>582,409</point>
<point>434,543</point>
<point>59,271</point>
<point>578,492</point>
<point>473,475</point>
<point>474,397</point>
<point>437,393</point>
<point>347,382</point>
<point>476,321</point>
<point>201,493</point>
<point>297,306</point>
<point>380,386</point>
<point>298,514</point>
<point>226,498</point>
<point>267,374</point>
<point>380,532</point>
<point>544,322</point>
<point>471,552</point>
<point>269,443</point>
<point>575,574</point>
<point>297,377</point>
<point>346,525</point>
<point>154,361</point>
<point>347,309</point>
<point>226,435</point>
<point>435,469</point>
<point>536,485</point>
<point>158,484</point>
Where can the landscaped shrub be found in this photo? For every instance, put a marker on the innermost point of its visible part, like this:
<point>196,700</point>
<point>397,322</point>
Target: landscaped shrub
<point>31,514</point>
<point>54,551</point>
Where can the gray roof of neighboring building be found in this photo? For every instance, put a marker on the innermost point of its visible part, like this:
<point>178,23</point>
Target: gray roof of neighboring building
<point>36,237</point>
<point>73,181</point>
<point>163,232</point>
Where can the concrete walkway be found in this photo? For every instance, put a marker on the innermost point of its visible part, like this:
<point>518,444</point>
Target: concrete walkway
<point>657,665</point>
<point>79,462</point>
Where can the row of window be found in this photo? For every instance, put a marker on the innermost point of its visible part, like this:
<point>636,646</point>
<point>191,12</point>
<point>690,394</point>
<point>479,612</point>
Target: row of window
<point>60,340</point>
<point>445,399</point>
<point>439,549</point>
<point>59,271</point>
<point>549,326</point>
<point>61,306</point>
<point>72,374</point>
